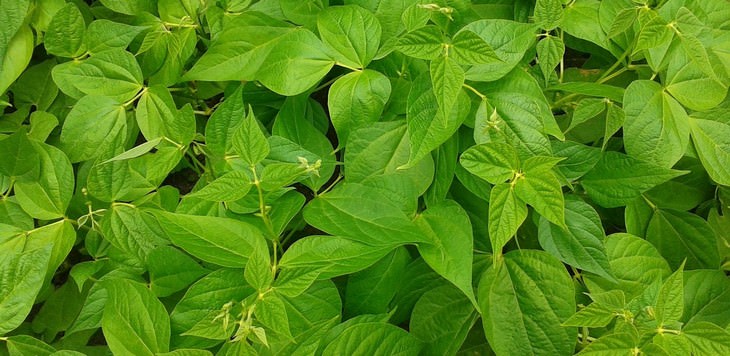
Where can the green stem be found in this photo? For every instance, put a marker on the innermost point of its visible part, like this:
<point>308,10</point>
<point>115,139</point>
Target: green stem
<point>473,90</point>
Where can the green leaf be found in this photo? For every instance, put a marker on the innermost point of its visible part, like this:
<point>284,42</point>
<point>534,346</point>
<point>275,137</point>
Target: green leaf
<point>550,51</point>
<point>259,273</point>
<point>65,34</point>
<point>506,213</point>
<point>28,345</point>
<point>127,229</point>
<point>580,244</point>
<point>25,268</point>
<point>272,314</point>
<point>363,214</point>
<point>510,41</point>
<point>523,301</point>
<point>296,64</point>
<point>224,122</point>
<point>441,319</point>
<point>114,73</point>
<point>680,235</point>
<point>371,291</point>
<point>352,32</point>
<point>429,126</point>
<point>356,100</point>
<point>158,116</point>
<point>103,34</point>
<point>634,262</point>
<point>579,159</point>
<point>130,7</point>
<point>656,127</point>
<point>611,344</point>
<point>542,190</point>
<point>134,320</point>
<point>707,338</point>
<point>331,256</point>
<point>22,156</point>
<point>209,293</point>
<point>618,179</point>
<point>690,77</point>
<point>611,92</point>
<point>706,297</point>
<point>468,48</point>
<point>670,301</point>
<point>41,125</point>
<point>548,13</point>
<point>711,141</point>
<point>49,196</point>
<point>11,19</point>
<point>231,186</point>
<point>91,127</point>
<point>171,270</point>
<point>17,56</point>
<point>61,235</point>
<point>379,338</point>
<point>222,241</point>
<point>450,251</point>
<point>447,78</point>
<point>424,43</point>
<point>249,141</point>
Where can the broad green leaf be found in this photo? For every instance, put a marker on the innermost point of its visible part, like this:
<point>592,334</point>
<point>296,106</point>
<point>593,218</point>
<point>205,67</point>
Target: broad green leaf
<point>41,125</point>
<point>599,313</point>
<point>35,87</point>
<point>617,179</point>
<point>424,43</point>
<point>49,196</point>
<point>222,241</point>
<point>28,345</point>
<point>357,100</point>
<point>587,109</point>
<point>19,155</point>
<point>65,34</point>
<point>371,291</point>
<point>114,73</point>
<point>611,344</point>
<point>258,272</point>
<point>524,115</point>
<point>224,122</point>
<point>208,294</point>
<point>451,245</point>
<point>134,320</point>
<point>429,126</point>
<point>91,127</point>
<point>468,48</point>
<point>231,186</point>
<point>680,235</point>
<point>550,51</point>
<point>296,64</point>
<point>707,338</point>
<point>303,12</point>
<point>441,319</point>
<point>103,34</point>
<point>352,32</point>
<point>136,151</point>
<point>331,256</point>
<point>670,301</point>
<point>706,297</point>
<point>374,338</point>
<point>127,229</point>
<point>711,140</point>
<point>580,19</point>
<point>542,190</point>
<point>171,270</point>
<point>510,41</point>
<point>579,159</point>
<point>272,314</point>
<point>690,77</point>
<point>656,127</point>
<point>363,214</point>
<point>506,213</point>
<point>240,49</point>
<point>25,270</point>
<point>548,13</point>
<point>130,7</point>
<point>524,298</point>
<point>634,262</point>
<point>249,141</point>
<point>158,116</point>
<point>580,244</point>
<point>447,78</point>
<point>18,54</point>
<point>11,18</point>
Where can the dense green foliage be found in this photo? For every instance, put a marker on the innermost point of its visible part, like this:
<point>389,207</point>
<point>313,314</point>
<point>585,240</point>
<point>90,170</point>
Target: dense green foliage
<point>373,177</point>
